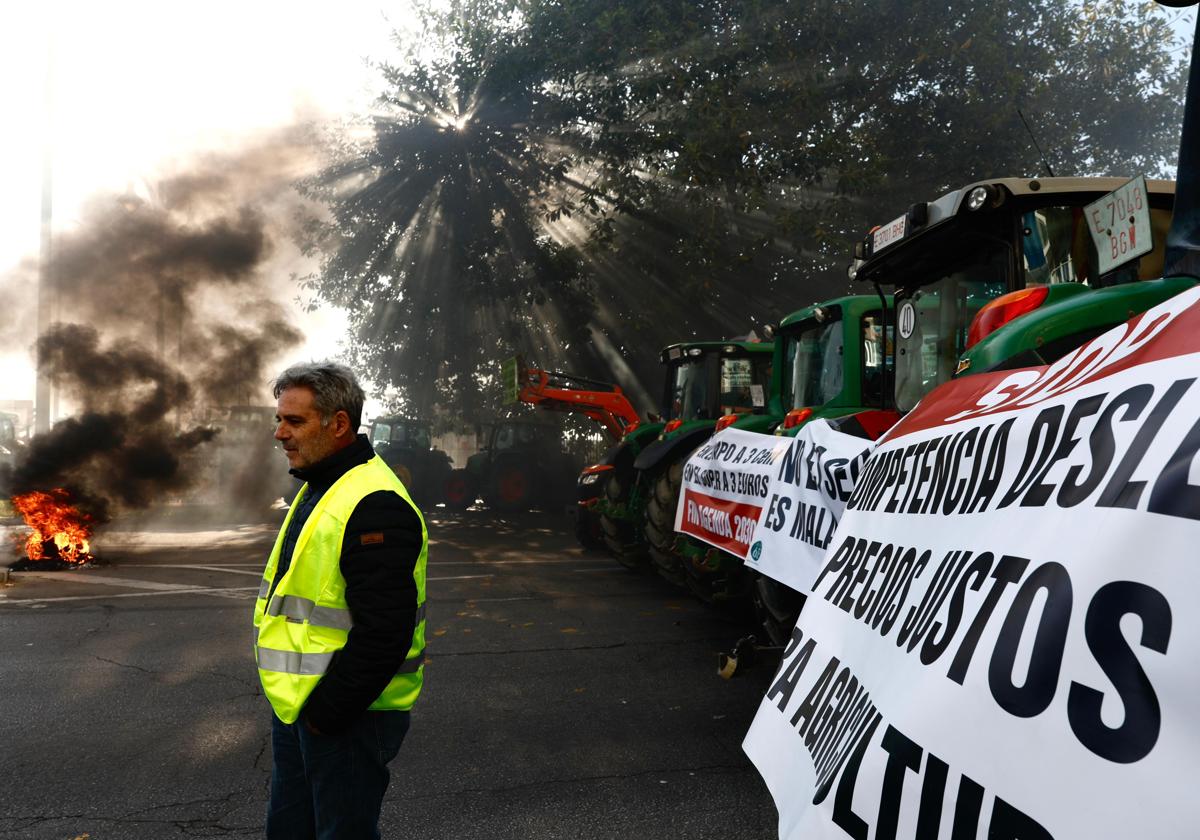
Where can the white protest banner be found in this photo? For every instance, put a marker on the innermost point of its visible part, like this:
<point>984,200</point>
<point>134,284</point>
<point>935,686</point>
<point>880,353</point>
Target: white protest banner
<point>809,488</point>
<point>1000,640</point>
<point>724,484</point>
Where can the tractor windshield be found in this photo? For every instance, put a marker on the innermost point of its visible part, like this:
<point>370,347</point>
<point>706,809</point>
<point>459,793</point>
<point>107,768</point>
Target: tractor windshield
<point>1057,248</point>
<point>522,436</point>
<point>688,395</point>
<point>739,375</point>
<point>814,363</point>
<point>381,433</point>
<point>932,319</point>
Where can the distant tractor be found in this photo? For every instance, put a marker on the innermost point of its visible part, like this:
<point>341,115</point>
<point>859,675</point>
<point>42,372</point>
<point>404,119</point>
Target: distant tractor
<point>248,469</point>
<point>523,465</point>
<point>406,445</point>
<point>602,402</point>
<point>704,380</point>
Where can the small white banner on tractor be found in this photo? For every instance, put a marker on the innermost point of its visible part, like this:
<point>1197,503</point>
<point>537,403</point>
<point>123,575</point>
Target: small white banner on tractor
<point>1002,638</point>
<point>809,488</point>
<point>724,487</point>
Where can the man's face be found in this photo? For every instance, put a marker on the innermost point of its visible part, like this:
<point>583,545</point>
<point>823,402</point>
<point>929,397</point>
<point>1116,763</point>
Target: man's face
<point>298,427</point>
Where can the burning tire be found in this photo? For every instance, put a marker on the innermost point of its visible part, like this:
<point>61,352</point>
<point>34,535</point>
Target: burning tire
<point>660,525</point>
<point>621,536</point>
<point>459,490</point>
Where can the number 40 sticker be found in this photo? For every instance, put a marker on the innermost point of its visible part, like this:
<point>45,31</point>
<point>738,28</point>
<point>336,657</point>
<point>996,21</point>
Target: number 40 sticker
<point>1120,224</point>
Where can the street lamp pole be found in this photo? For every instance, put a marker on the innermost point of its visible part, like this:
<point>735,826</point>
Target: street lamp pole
<point>46,285</point>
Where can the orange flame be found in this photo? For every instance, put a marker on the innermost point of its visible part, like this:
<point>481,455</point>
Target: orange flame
<point>54,520</point>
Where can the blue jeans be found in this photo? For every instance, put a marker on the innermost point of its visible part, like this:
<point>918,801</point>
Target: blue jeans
<point>331,786</point>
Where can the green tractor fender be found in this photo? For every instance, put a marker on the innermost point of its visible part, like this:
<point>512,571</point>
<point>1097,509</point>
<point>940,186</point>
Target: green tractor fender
<point>1070,316</point>
<point>763,424</point>
<point>680,442</point>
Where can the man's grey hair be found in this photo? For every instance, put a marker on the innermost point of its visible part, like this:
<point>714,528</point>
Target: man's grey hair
<point>335,388</point>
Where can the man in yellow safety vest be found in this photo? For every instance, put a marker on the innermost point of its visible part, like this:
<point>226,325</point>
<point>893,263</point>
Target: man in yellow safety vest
<point>339,624</point>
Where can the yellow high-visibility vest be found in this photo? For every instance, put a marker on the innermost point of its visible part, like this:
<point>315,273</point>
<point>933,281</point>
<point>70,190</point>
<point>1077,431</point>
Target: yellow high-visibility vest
<point>307,621</point>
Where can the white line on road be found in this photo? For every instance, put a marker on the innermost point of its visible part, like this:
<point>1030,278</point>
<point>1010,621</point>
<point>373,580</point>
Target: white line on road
<point>460,577</point>
<point>600,570</point>
<point>224,592</point>
<point>229,569</point>
<point>77,577</point>
<point>217,567</point>
<point>496,600</point>
<point>510,562</point>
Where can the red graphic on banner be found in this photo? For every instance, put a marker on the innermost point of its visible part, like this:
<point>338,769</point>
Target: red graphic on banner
<point>727,525</point>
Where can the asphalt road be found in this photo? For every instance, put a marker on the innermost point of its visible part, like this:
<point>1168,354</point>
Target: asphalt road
<point>564,696</point>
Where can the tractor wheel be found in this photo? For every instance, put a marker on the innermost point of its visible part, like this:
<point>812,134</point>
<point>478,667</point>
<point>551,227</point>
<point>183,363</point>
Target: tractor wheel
<point>404,473</point>
<point>511,488</point>
<point>620,535</point>
<point>587,529</point>
<point>660,525</point>
<point>776,607</point>
<point>459,490</point>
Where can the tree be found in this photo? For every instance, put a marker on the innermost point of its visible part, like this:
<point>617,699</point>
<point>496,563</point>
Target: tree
<point>586,181</point>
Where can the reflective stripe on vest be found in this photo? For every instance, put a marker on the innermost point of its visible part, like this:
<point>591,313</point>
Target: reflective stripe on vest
<point>305,621</point>
<point>295,608</point>
<point>315,664</point>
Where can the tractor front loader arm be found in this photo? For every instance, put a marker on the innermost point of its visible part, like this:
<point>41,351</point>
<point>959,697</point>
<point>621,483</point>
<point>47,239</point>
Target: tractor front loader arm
<point>602,402</point>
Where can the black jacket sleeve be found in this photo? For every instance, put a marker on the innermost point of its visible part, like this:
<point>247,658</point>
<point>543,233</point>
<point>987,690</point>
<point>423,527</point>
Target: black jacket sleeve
<point>379,552</point>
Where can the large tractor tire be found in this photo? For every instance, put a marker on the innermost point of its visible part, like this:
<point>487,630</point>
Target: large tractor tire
<point>776,607</point>
<point>660,525</point>
<point>512,487</point>
<point>459,490</point>
<point>587,529</point>
<point>404,472</point>
<point>621,536</point>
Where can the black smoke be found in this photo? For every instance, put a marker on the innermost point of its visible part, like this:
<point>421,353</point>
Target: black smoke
<point>168,323</point>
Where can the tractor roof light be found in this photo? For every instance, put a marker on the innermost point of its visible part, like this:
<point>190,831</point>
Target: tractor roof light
<point>695,351</point>
<point>979,198</point>
<point>1003,309</point>
<point>725,421</point>
<point>672,425</point>
<point>795,417</point>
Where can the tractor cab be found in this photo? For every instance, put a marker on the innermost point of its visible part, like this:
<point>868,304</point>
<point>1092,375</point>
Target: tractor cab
<point>406,445</point>
<point>1025,244</point>
<point>832,360</point>
<point>708,379</point>
<point>390,434</point>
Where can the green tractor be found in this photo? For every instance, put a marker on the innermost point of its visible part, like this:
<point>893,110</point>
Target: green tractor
<point>406,445</point>
<point>1001,273</point>
<point>524,464</point>
<point>708,381</point>
<point>828,362</point>
<point>976,259</point>
<point>705,380</point>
